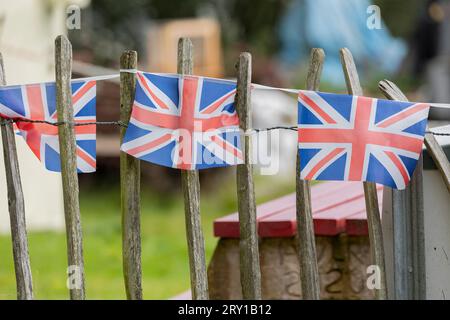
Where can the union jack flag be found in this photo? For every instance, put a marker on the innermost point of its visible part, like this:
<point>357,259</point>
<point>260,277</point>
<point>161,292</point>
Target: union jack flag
<point>38,102</point>
<point>344,137</point>
<point>184,122</point>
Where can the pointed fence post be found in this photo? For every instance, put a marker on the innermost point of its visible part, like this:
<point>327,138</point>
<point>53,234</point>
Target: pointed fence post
<point>67,148</point>
<point>370,188</point>
<point>306,241</point>
<point>249,253</point>
<point>408,219</point>
<point>439,158</point>
<point>191,190</point>
<point>130,187</point>
<point>16,206</point>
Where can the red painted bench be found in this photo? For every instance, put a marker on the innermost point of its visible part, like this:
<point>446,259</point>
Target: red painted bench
<point>342,244</point>
<point>338,207</point>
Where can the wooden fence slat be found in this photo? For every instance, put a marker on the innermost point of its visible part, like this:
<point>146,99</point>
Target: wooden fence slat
<point>249,254</point>
<point>416,216</point>
<point>67,148</point>
<point>370,189</point>
<point>16,206</point>
<point>309,270</point>
<point>439,158</point>
<point>191,190</point>
<point>130,187</point>
<point>391,91</point>
<point>408,221</point>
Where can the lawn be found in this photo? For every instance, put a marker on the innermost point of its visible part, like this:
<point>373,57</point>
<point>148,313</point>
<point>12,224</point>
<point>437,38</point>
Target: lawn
<point>164,251</point>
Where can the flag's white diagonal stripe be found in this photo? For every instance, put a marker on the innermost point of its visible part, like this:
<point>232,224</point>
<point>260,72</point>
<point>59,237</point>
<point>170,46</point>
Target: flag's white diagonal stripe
<point>157,92</point>
<point>390,167</point>
<point>324,106</point>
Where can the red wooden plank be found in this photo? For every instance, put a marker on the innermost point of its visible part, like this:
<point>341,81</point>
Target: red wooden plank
<point>284,226</point>
<point>278,225</point>
<point>333,205</point>
<point>352,203</point>
<point>228,226</point>
<point>325,196</point>
<point>356,224</point>
<point>328,222</point>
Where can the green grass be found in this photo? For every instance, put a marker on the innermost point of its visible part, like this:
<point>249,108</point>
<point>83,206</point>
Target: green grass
<point>164,251</point>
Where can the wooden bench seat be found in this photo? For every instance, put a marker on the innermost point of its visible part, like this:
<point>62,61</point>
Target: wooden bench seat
<point>338,207</point>
<point>342,243</point>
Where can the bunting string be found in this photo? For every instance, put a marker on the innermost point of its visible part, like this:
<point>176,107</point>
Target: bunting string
<point>254,85</point>
<point>287,90</point>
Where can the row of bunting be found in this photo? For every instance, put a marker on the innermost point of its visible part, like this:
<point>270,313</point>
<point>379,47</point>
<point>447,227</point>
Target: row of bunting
<point>190,122</point>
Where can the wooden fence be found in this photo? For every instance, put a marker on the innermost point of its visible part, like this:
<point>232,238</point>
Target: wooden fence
<point>250,274</point>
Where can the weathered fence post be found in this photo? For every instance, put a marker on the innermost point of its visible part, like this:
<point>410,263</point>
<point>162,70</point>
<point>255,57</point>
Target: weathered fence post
<point>16,206</point>
<point>249,253</point>
<point>309,270</point>
<point>370,188</point>
<point>67,148</point>
<point>191,189</point>
<point>130,187</point>
<point>408,222</point>
<point>439,158</point>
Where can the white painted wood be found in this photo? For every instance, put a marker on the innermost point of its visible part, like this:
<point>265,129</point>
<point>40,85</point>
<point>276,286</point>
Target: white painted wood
<point>437,236</point>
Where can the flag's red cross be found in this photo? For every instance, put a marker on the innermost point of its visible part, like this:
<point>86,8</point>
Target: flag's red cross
<point>34,131</point>
<point>359,136</point>
<point>186,120</point>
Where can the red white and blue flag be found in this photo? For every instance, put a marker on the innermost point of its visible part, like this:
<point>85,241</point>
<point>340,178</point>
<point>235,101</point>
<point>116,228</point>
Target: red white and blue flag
<point>38,102</point>
<point>353,138</point>
<point>184,122</point>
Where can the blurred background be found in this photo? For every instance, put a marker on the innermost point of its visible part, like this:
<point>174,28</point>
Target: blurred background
<point>406,41</point>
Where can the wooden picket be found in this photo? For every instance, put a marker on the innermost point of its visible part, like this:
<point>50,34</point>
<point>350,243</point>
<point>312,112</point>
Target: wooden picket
<point>16,206</point>
<point>130,187</point>
<point>309,270</point>
<point>439,157</point>
<point>191,190</point>
<point>68,155</point>
<point>249,254</point>
<point>370,189</point>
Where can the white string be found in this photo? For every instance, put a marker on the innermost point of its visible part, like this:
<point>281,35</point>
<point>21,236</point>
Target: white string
<point>96,78</point>
<point>249,132</point>
<point>262,87</point>
<point>129,70</point>
<point>254,85</point>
